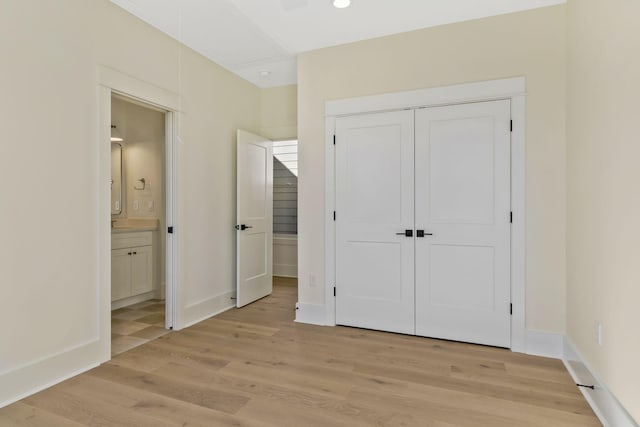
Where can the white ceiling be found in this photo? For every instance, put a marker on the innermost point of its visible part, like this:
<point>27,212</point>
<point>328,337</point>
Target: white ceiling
<point>249,36</point>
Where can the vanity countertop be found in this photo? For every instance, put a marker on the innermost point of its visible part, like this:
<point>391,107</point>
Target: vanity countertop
<point>132,225</point>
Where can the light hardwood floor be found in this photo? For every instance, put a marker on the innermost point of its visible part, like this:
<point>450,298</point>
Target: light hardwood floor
<point>256,367</point>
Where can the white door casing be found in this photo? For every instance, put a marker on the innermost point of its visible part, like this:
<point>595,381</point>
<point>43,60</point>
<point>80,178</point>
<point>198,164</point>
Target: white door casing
<point>512,89</point>
<point>463,205</point>
<point>254,218</point>
<point>114,82</point>
<point>374,199</point>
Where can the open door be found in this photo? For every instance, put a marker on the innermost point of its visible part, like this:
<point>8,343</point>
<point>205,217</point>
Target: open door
<point>254,235</point>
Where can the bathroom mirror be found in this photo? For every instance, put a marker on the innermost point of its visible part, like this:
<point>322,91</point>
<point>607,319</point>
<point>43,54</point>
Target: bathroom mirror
<point>116,178</point>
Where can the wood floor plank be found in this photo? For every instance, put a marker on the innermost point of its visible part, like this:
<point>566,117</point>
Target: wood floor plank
<point>89,411</point>
<point>22,415</point>
<point>279,393</point>
<point>149,357</point>
<point>171,387</point>
<point>256,367</point>
<point>156,406</point>
<point>505,392</point>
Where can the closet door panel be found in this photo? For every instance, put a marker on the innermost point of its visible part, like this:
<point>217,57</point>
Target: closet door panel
<point>374,207</point>
<point>463,205</point>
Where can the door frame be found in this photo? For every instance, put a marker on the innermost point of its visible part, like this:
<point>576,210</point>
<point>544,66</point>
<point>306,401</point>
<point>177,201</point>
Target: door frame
<point>512,89</point>
<point>111,82</point>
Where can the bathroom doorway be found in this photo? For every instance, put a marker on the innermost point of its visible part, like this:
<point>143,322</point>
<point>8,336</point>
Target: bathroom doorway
<point>116,85</point>
<point>285,212</point>
<point>138,221</point>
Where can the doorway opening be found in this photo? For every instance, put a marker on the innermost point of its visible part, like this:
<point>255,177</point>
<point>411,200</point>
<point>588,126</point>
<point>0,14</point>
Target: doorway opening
<point>138,221</point>
<point>285,213</point>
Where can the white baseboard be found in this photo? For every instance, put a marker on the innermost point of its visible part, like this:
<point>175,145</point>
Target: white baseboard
<point>133,300</point>
<point>285,270</point>
<point>49,371</point>
<point>313,314</point>
<point>208,308</point>
<point>602,401</point>
<point>545,344</point>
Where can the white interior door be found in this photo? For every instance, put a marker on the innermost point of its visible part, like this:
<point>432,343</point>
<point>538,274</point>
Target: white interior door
<point>374,207</point>
<point>463,205</point>
<point>254,218</point>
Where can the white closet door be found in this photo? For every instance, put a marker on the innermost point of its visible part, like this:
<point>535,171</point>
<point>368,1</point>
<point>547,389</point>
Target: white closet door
<point>463,206</point>
<point>374,202</point>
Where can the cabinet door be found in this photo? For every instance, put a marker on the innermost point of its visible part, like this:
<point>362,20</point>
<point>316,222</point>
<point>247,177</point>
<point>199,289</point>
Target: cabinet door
<point>141,270</point>
<point>120,274</point>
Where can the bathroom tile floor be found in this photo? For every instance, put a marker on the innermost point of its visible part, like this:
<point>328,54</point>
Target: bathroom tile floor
<point>136,324</point>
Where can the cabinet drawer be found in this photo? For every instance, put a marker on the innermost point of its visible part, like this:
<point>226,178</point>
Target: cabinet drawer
<point>128,240</point>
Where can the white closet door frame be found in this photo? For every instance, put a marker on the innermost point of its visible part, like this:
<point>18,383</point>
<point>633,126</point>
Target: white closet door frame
<point>512,89</point>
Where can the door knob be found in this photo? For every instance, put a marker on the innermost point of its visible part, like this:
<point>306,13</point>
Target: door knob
<point>243,227</point>
<point>421,233</point>
<point>406,233</point>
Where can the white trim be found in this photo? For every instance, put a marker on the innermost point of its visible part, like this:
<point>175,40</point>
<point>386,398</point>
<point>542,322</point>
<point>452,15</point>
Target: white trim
<point>431,97</point>
<point>605,405</point>
<point>285,270</point>
<point>512,89</point>
<point>329,229</point>
<point>208,307</point>
<point>46,385</point>
<point>545,344</point>
<point>518,227</point>
<point>134,300</point>
<point>48,371</point>
<point>138,89</point>
<point>103,193</point>
<point>171,293</point>
<point>115,82</point>
<point>312,314</point>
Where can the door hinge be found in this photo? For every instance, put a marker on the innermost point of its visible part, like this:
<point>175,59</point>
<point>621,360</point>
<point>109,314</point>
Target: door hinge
<point>511,125</point>
<point>511,217</point>
<point>334,291</point>
<point>170,230</point>
<point>334,140</point>
<point>334,215</point>
<point>511,308</point>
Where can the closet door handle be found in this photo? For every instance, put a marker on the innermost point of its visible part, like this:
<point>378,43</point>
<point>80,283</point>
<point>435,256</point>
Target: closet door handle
<point>406,233</point>
<point>421,233</point>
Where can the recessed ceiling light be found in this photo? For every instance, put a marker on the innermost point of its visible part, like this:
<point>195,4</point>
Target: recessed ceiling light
<point>341,4</point>
<point>264,73</point>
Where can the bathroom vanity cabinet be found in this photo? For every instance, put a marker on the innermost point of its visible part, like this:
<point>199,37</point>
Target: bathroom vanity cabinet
<point>131,264</point>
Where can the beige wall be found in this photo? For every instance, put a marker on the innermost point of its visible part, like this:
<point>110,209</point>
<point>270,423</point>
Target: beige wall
<point>49,168</point>
<point>279,112</point>
<point>530,44</point>
<point>603,206</point>
<point>142,157</point>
